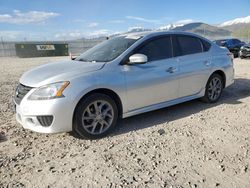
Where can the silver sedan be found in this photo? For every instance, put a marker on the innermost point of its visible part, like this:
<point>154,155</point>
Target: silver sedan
<point>121,77</point>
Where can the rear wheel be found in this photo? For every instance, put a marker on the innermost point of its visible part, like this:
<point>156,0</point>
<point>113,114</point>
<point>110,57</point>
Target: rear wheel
<point>214,89</point>
<point>95,116</point>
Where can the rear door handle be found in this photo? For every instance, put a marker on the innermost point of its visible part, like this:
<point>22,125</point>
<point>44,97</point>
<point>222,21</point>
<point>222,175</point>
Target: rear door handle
<point>207,63</point>
<point>171,69</point>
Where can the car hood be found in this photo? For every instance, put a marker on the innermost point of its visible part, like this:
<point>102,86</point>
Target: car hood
<point>246,46</point>
<point>58,71</point>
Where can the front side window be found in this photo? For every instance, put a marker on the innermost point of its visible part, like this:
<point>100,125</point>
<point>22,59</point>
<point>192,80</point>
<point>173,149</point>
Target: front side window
<point>157,49</point>
<point>107,50</point>
<point>188,45</point>
<point>229,42</point>
<point>206,45</point>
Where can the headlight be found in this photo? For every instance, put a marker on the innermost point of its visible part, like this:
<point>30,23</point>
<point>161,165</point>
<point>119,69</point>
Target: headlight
<point>50,91</point>
<point>242,47</point>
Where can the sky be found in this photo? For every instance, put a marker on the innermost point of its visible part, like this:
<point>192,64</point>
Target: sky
<point>65,19</point>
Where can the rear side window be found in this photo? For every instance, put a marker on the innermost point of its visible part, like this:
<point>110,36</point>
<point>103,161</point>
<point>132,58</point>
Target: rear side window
<point>206,45</point>
<point>189,45</point>
<point>157,49</point>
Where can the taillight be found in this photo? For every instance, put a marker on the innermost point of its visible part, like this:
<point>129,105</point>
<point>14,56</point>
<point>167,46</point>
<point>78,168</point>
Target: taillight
<point>231,56</point>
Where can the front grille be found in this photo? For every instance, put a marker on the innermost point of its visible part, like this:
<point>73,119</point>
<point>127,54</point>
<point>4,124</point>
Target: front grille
<point>245,50</point>
<point>45,121</point>
<point>21,91</point>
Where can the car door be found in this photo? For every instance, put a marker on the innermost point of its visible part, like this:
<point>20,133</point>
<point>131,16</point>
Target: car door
<point>194,63</point>
<point>155,81</point>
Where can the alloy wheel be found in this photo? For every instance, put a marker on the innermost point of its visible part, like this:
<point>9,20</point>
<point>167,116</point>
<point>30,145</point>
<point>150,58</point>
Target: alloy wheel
<point>214,89</point>
<point>97,117</point>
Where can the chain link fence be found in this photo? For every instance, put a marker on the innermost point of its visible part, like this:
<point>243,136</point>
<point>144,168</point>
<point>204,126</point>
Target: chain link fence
<point>75,47</point>
<point>7,49</point>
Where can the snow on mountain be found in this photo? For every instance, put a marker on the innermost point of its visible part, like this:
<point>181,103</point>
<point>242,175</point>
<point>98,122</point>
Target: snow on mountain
<point>137,29</point>
<point>170,26</point>
<point>179,23</point>
<point>243,20</point>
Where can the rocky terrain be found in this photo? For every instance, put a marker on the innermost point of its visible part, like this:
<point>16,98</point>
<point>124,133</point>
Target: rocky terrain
<point>187,145</point>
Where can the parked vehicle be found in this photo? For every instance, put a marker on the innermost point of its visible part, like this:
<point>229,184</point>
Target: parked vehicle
<point>233,45</point>
<point>121,77</point>
<point>244,51</point>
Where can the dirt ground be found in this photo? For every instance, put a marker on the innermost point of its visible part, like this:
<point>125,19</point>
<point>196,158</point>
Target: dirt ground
<point>187,145</point>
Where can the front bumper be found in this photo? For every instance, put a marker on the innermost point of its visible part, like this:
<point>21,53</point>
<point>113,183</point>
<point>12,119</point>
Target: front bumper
<point>244,53</point>
<point>61,109</point>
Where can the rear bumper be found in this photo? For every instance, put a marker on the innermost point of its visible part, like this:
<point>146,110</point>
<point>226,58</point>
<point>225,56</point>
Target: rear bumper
<point>229,72</point>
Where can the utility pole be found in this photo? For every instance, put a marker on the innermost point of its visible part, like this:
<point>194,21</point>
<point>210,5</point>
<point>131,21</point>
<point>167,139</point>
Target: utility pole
<point>248,36</point>
<point>2,45</point>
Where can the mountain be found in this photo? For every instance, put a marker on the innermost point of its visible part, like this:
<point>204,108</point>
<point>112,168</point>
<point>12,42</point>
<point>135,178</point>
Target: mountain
<point>137,29</point>
<point>170,27</point>
<point>240,27</point>
<point>204,29</point>
<point>176,24</point>
<point>244,20</point>
<point>199,28</point>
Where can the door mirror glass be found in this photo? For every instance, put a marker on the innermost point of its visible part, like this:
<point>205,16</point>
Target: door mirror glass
<point>138,59</point>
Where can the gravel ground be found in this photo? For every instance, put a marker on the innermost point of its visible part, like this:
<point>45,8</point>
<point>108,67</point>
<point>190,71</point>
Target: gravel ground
<point>187,145</point>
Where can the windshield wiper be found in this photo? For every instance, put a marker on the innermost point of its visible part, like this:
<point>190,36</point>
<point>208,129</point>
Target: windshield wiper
<point>82,60</point>
<point>92,61</point>
<point>96,61</point>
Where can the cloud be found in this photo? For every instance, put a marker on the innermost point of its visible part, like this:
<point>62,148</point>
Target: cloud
<point>116,21</point>
<point>183,22</point>
<point>69,35</point>
<point>135,28</point>
<point>79,21</point>
<point>79,34</point>
<point>11,35</point>
<point>18,17</point>
<point>93,24</point>
<point>142,19</point>
<point>101,32</point>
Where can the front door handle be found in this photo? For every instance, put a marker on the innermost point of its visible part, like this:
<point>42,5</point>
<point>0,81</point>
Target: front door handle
<point>171,69</point>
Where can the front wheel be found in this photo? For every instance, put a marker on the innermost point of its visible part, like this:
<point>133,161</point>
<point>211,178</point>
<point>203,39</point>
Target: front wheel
<point>95,116</point>
<point>214,89</point>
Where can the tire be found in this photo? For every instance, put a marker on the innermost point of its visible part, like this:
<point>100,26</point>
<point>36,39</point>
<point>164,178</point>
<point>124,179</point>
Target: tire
<point>95,116</point>
<point>213,94</point>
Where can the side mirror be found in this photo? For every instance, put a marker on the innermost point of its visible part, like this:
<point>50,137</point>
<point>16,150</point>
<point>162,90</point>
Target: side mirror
<point>71,56</point>
<point>138,59</point>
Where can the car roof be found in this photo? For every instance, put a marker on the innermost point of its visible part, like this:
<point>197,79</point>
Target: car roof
<point>227,39</point>
<point>221,40</point>
<point>158,33</point>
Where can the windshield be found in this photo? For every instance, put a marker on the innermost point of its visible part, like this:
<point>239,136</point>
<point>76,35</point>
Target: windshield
<point>107,50</point>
